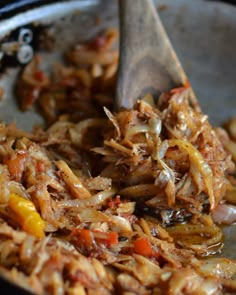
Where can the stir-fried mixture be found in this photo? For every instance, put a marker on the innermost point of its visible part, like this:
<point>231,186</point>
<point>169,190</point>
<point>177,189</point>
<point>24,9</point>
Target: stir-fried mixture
<point>113,203</point>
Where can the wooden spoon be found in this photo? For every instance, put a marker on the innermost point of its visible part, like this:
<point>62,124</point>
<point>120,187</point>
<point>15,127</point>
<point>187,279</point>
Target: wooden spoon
<point>148,63</point>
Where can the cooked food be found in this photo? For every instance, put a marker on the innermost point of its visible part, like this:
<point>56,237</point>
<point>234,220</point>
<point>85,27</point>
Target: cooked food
<point>112,203</point>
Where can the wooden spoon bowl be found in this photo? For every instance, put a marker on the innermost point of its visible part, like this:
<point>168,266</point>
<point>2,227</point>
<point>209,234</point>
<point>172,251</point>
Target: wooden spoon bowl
<point>148,63</point>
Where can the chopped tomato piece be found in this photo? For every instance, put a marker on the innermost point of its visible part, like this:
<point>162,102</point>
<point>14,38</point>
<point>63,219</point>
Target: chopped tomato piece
<point>112,238</point>
<point>158,256</point>
<point>114,202</point>
<point>143,247</point>
<point>130,217</point>
<point>98,43</point>
<point>69,81</point>
<point>181,88</point>
<point>28,95</point>
<point>40,166</point>
<point>39,76</point>
<point>16,164</point>
<point>84,237</point>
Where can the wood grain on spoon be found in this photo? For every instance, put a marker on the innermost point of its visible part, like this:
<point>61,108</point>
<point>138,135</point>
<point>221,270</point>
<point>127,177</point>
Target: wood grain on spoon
<point>148,63</point>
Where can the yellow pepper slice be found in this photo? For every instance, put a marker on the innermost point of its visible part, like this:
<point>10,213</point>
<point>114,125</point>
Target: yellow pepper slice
<point>30,220</point>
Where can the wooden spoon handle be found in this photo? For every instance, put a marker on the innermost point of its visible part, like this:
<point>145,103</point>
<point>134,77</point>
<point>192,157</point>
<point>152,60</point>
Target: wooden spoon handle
<point>148,63</point>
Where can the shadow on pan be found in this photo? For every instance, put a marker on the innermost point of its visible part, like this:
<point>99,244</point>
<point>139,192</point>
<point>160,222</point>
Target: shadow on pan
<point>226,1</point>
<point>10,288</point>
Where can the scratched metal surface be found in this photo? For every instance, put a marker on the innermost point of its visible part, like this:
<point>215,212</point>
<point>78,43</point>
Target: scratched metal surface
<point>203,35</point>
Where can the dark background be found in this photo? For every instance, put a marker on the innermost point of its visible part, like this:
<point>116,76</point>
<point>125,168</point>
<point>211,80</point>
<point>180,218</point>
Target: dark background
<point>9,7</point>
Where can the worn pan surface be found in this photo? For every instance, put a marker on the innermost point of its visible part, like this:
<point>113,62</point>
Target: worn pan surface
<point>203,34</point>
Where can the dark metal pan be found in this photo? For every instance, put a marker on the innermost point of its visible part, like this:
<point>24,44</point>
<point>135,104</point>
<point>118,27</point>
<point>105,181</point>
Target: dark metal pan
<point>202,32</point>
